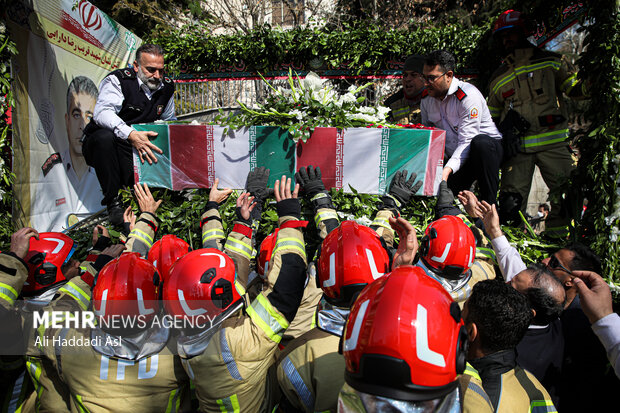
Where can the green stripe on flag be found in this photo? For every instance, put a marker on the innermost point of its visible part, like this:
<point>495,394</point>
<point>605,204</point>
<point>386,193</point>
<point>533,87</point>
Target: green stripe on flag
<point>158,174</point>
<point>408,149</point>
<point>274,150</point>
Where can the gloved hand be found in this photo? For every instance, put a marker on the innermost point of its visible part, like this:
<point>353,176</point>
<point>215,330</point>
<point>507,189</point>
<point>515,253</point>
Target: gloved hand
<point>445,202</point>
<point>257,184</point>
<point>401,188</point>
<point>310,181</point>
<point>445,197</point>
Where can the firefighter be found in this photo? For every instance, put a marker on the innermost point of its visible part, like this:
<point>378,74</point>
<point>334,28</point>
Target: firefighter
<point>533,82</point>
<point>404,345</point>
<point>229,353</point>
<point>405,104</point>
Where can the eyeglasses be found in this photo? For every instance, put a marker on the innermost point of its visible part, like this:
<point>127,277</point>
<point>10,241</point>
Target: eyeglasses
<point>554,264</point>
<point>432,78</point>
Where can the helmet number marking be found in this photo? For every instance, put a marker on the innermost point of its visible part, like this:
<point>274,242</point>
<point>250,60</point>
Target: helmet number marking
<point>332,272</point>
<point>423,352</point>
<point>221,257</point>
<point>374,271</point>
<point>351,343</point>
<point>186,308</point>
<point>104,298</point>
<point>444,255</point>
<point>141,308</point>
<point>60,243</point>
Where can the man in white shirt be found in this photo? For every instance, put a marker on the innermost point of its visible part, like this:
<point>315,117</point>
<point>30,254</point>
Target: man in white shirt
<point>66,184</point>
<point>141,94</point>
<point>473,143</point>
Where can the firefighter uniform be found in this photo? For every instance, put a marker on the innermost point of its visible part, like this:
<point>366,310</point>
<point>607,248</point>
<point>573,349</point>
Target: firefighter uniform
<point>508,386</point>
<point>311,371</point>
<point>532,81</point>
<point>229,365</point>
<point>403,110</point>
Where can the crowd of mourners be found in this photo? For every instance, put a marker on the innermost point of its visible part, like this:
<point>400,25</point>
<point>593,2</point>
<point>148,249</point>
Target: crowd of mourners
<point>379,319</point>
<point>375,321</point>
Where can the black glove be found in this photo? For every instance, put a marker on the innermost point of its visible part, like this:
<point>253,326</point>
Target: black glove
<point>257,184</point>
<point>445,197</point>
<point>403,189</point>
<point>309,179</point>
<point>445,202</point>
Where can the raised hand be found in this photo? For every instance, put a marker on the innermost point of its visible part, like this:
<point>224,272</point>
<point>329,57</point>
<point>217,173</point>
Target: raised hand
<point>490,219</point>
<point>408,245</point>
<point>471,203</point>
<point>145,199</point>
<point>20,241</point>
<point>282,189</point>
<point>245,205</point>
<point>218,195</point>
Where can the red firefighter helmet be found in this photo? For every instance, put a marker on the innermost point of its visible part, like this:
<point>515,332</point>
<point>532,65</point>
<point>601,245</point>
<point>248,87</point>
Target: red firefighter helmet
<point>126,287</point>
<point>448,247</point>
<point>264,254</point>
<point>165,252</point>
<point>201,286</point>
<point>45,259</point>
<point>404,338</point>
<point>508,20</point>
<point>351,257</point>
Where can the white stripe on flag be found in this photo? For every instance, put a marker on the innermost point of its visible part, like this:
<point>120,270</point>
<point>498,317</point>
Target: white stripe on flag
<point>362,156</point>
<point>232,158</point>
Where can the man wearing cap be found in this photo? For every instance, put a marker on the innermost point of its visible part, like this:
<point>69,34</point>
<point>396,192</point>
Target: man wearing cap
<point>405,104</point>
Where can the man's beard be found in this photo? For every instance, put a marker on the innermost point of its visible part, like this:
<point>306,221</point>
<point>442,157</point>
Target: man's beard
<point>151,83</point>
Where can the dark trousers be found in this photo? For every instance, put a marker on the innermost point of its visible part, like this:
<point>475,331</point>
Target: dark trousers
<point>483,163</point>
<point>112,159</point>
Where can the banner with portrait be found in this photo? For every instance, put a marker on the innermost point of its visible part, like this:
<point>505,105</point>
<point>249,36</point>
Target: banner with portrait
<point>65,49</point>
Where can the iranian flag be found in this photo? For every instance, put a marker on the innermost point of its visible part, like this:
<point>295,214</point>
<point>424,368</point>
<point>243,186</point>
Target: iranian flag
<point>361,158</point>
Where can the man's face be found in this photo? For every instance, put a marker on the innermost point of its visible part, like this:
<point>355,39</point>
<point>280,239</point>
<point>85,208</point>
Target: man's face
<point>560,263</point>
<point>150,70</point>
<point>80,112</point>
<point>510,39</point>
<point>437,82</point>
<point>412,83</point>
<point>522,281</point>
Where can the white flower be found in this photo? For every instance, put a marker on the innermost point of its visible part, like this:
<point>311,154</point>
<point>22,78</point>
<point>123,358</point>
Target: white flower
<point>351,89</point>
<point>297,113</point>
<point>312,81</point>
<point>347,98</point>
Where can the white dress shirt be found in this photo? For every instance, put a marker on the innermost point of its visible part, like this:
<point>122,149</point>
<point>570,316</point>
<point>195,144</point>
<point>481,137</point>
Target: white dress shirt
<point>111,100</point>
<point>462,119</point>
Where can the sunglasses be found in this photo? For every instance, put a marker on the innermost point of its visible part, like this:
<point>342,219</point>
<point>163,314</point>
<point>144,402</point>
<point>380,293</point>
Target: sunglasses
<point>554,264</point>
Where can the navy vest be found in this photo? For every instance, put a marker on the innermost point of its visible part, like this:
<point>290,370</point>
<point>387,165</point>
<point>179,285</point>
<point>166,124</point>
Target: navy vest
<point>137,108</point>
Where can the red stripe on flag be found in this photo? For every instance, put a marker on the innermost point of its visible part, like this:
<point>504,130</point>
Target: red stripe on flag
<point>320,150</point>
<point>188,156</point>
<point>434,161</point>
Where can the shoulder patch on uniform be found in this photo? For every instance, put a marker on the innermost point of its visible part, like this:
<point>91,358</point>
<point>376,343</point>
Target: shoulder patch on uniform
<point>128,73</point>
<point>424,93</point>
<point>473,113</point>
<point>460,94</point>
<point>50,162</point>
<point>167,79</point>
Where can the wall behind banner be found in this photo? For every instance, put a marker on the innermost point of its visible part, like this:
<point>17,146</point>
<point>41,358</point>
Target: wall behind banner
<point>64,53</point>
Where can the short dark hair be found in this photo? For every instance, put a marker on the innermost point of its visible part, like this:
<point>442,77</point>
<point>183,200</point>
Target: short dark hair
<point>544,206</point>
<point>540,295</point>
<point>153,49</point>
<point>81,84</point>
<point>501,313</point>
<point>443,58</point>
<point>585,259</point>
